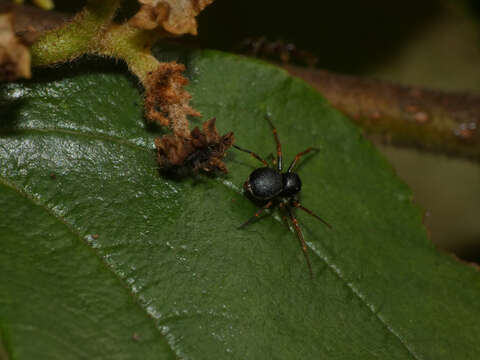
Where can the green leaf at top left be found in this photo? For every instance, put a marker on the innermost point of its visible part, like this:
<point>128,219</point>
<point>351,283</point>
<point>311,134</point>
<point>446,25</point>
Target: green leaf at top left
<point>59,298</point>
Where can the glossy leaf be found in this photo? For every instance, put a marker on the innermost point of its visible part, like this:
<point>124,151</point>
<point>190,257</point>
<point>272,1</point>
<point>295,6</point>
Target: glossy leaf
<point>101,257</point>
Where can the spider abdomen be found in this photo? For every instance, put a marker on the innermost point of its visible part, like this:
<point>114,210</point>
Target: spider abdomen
<point>264,183</point>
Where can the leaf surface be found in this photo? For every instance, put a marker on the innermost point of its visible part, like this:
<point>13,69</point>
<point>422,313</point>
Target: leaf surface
<point>102,257</point>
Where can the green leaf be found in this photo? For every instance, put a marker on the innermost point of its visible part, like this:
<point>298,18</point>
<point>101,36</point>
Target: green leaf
<point>101,257</point>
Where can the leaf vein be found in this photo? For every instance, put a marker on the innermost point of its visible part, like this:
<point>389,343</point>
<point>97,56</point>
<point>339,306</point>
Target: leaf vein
<point>330,264</point>
<point>37,202</point>
<point>360,296</point>
<point>88,134</point>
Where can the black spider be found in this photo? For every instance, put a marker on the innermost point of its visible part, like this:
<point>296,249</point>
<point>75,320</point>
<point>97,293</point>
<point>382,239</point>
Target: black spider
<point>275,187</point>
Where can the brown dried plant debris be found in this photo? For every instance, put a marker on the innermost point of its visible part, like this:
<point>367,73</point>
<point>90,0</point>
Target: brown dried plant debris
<point>166,100</point>
<point>202,149</point>
<point>175,16</point>
<point>14,55</point>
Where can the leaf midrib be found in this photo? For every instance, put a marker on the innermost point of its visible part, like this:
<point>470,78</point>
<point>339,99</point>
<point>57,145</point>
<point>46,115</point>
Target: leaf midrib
<point>76,233</point>
<point>335,270</point>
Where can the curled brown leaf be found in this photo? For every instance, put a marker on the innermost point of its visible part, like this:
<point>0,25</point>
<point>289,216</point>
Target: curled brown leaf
<point>166,100</point>
<point>202,149</point>
<point>175,16</point>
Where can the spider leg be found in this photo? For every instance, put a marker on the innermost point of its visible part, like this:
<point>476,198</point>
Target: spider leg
<point>284,218</point>
<point>300,238</point>
<point>251,153</point>
<point>257,214</point>
<point>299,206</point>
<point>297,157</point>
<point>271,158</point>
<point>279,145</point>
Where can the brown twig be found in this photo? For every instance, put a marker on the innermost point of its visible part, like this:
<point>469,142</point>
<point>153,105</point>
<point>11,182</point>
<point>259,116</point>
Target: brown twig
<point>444,122</point>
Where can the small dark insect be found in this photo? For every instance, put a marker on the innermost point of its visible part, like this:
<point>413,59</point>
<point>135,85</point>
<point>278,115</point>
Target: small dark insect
<point>285,52</point>
<point>273,187</point>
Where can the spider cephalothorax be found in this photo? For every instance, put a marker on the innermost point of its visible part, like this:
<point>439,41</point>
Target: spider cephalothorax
<point>274,187</point>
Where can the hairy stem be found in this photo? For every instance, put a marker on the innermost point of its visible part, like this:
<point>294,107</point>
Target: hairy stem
<point>75,37</point>
<point>133,45</point>
<point>445,122</point>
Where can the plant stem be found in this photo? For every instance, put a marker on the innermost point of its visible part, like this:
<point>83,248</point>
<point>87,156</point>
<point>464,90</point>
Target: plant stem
<point>75,37</point>
<point>438,121</point>
<point>133,45</point>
